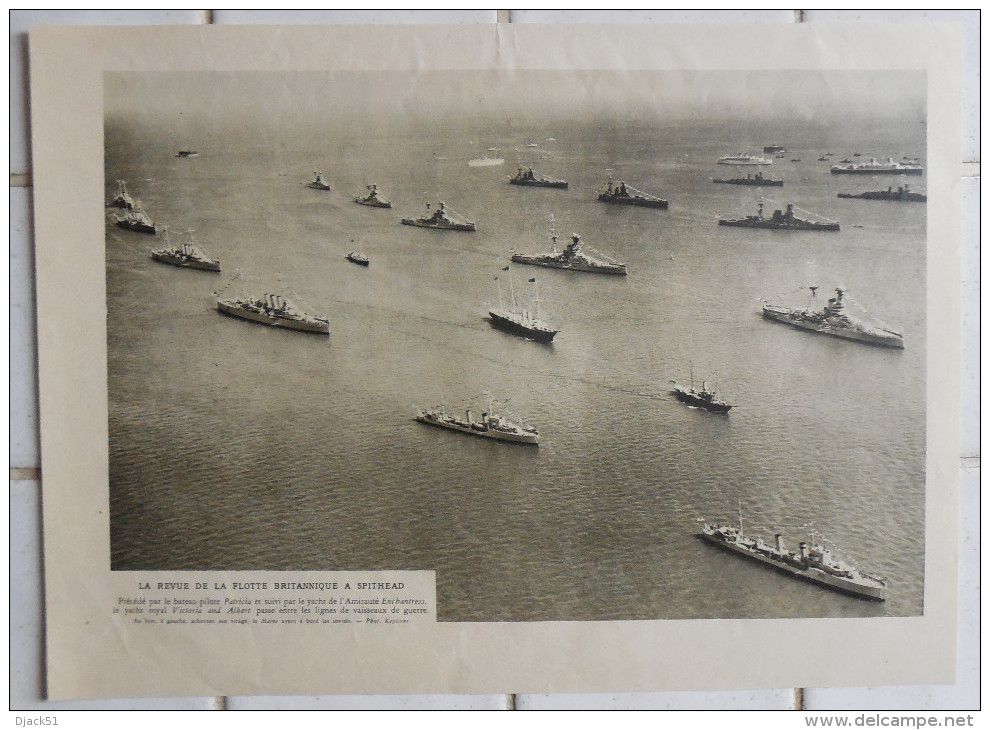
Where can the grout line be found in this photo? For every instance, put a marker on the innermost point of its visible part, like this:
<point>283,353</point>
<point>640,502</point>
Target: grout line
<point>24,474</point>
<point>20,180</point>
<point>799,698</point>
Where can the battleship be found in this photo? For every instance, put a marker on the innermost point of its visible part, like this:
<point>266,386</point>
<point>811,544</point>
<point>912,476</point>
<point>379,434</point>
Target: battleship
<point>704,398</point>
<point>442,219</point>
<point>873,167</point>
<point>780,220</point>
<point>275,311</point>
<point>903,194</point>
<point>122,199</point>
<point>756,180</point>
<point>373,199</point>
<point>136,220</point>
<point>742,159</point>
<point>187,255</point>
<point>833,320</point>
<point>623,194</point>
<point>529,178</point>
<point>491,425</point>
<point>812,562</point>
<point>519,320</point>
<point>572,258</point>
<point>318,183</point>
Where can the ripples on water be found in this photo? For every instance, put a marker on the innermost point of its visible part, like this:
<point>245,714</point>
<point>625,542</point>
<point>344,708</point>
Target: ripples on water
<point>239,447</point>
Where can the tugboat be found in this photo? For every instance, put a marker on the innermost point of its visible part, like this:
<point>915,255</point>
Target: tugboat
<point>186,255</point>
<point>122,199</point>
<point>782,221</point>
<point>756,180</point>
<point>572,258</point>
<point>890,167</point>
<point>812,562</point>
<point>623,194</point>
<point>136,220</point>
<point>743,159</point>
<point>833,320</point>
<point>491,425</point>
<point>318,183</point>
<point>442,219</point>
<point>274,310</point>
<point>531,179</point>
<point>356,257</point>
<point>518,320</point>
<point>373,199</point>
<point>704,398</point>
<point>903,194</point>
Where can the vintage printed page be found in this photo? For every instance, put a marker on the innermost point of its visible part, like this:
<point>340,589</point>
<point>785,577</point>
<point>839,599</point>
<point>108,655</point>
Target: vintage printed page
<point>460,359</point>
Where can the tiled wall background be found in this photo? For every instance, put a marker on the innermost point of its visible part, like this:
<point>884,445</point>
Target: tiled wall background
<point>26,588</point>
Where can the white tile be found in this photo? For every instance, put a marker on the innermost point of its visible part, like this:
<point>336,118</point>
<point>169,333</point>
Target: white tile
<point>373,702</point>
<point>23,349</point>
<point>651,16</point>
<point>970,407</point>
<point>965,693</point>
<point>26,620</point>
<point>350,17</point>
<point>782,699</point>
<point>21,21</point>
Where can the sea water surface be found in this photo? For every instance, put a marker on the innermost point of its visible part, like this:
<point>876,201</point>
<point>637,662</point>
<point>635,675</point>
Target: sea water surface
<point>235,446</point>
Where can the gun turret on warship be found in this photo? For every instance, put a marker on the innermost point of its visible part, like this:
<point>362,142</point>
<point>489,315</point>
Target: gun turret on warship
<point>527,177</point>
<point>492,425</point>
<point>623,194</point>
<point>779,221</point>
<point>833,320</point>
<point>812,562</point>
<point>572,258</point>
<point>442,219</point>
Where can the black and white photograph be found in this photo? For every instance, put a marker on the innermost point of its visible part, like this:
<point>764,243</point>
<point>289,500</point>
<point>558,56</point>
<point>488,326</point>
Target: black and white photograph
<point>666,306</point>
<point>458,359</point>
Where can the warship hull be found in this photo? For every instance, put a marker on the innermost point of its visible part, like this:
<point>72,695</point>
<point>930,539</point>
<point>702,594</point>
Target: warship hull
<point>896,195</point>
<point>480,430</point>
<point>752,181</point>
<point>637,202</point>
<point>559,184</point>
<point>555,263</point>
<point>772,225</point>
<point>373,203</point>
<point>807,573</point>
<point>507,324</point>
<point>869,170</point>
<point>871,336</point>
<point>185,262</point>
<point>136,226</point>
<point>439,226</point>
<point>313,325</point>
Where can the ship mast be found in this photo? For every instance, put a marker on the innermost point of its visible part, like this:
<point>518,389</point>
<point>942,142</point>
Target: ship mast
<point>536,297</point>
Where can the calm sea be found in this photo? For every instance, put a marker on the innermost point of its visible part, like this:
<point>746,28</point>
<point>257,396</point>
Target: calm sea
<point>235,446</point>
